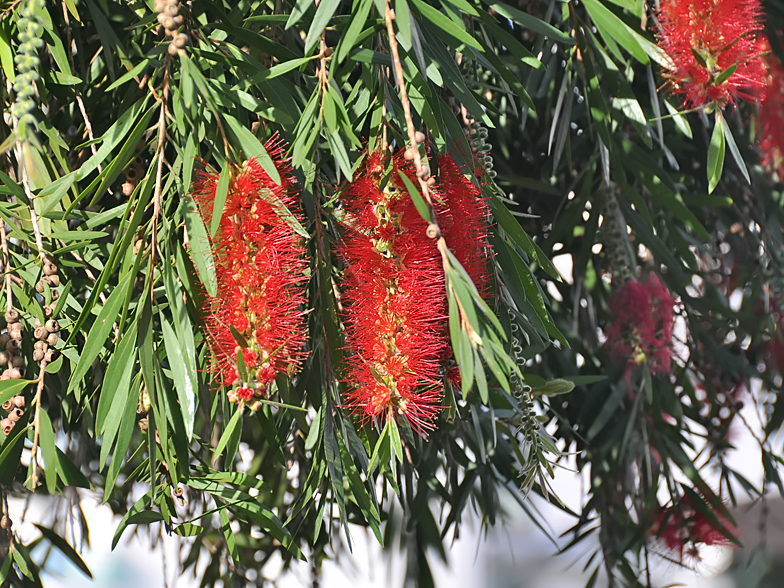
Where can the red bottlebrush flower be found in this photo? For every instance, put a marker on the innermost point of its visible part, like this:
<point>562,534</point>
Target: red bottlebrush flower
<point>685,528</point>
<point>642,329</point>
<point>260,269</point>
<point>464,224</point>
<point>394,299</point>
<point>703,38</point>
<point>770,120</point>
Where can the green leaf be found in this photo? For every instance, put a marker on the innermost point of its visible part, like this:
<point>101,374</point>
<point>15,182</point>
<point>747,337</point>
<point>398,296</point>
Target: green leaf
<point>360,12</point>
<point>64,548</point>
<point>394,437</point>
<point>231,543</point>
<point>188,530</point>
<point>615,29</point>
<point>681,122</point>
<point>734,148</point>
<point>447,25</point>
<point>221,193</point>
<point>128,76</point>
<point>200,250</point>
<point>6,54</point>
<point>112,137</point>
<point>299,10</point>
<point>10,388</point>
<point>69,473</point>
<point>227,433</point>
<point>725,75</point>
<point>716,153</point>
<point>118,377</point>
<point>127,424</point>
<point>48,449</point>
<point>324,12</point>
<point>252,148</point>
<point>530,22</point>
<point>419,202</point>
<point>185,386</point>
<point>100,330</point>
<point>555,387</point>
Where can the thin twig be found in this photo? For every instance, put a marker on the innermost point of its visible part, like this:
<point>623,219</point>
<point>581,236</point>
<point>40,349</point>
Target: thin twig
<point>159,154</point>
<point>6,267</point>
<point>433,229</point>
<point>389,17</point>
<point>36,424</point>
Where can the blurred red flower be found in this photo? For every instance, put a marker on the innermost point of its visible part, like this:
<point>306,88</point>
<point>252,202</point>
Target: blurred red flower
<point>685,528</point>
<point>703,39</point>
<point>642,329</point>
<point>770,120</point>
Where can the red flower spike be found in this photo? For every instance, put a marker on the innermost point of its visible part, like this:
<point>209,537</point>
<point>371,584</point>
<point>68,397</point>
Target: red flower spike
<point>685,528</point>
<point>395,306</point>
<point>261,270</point>
<point>465,223</point>
<point>642,329</point>
<point>703,38</point>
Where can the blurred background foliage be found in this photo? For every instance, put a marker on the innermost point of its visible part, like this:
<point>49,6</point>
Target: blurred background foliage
<point>589,155</point>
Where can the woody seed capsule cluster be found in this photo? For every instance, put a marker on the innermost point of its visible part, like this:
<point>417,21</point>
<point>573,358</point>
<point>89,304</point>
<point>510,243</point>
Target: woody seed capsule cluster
<point>10,357</point>
<point>171,20</point>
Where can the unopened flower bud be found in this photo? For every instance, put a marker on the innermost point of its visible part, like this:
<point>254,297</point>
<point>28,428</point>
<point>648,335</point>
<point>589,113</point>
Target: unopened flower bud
<point>52,339</point>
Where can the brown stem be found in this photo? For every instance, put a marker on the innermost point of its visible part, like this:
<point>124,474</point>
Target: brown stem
<point>389,17</point>
<point>6,267</point>
<point>159,172</point>
<point>36,425</point>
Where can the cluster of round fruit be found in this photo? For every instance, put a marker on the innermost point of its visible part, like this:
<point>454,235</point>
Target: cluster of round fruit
<point>51,279</point>
<point>47,336</point>
<point>11,345</point>
<point>171,20</point>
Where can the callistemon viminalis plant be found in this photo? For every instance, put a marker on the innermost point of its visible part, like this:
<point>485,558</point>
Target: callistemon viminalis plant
<point>394,300</point>
<point>704,40</point>
<point>261,270</point>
